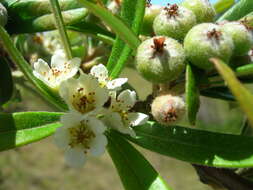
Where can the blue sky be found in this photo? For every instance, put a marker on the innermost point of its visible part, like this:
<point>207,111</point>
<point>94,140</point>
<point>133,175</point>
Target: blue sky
<point>163,2</point>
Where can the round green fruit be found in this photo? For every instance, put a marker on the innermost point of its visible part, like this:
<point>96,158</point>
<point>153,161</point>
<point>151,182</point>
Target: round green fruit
<point>206,41</point>
<point>203,9</point>
<point>150,13</point>
<point>174,22</point>
<point>160,59</point>
<point>241,35</point>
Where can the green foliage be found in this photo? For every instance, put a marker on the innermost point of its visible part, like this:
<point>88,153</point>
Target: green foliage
<point>22,128</point>
<point>132,13</point>
<point>239,10</point>
<point>134,170</point>
<point>6,82</point>
<point>223,5</point>
<point>192,93</point>
<point>243,96</point>
<point>195,146</point>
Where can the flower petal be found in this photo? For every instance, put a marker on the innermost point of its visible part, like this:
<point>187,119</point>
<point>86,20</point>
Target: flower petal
<point>96,125</point>
<point>71,119</point>
<point>41,67</point>
<point>58,60</point>
<point>113,120</point>
<point>137,118</point>
<point>67,88</point>
<point>101,96</point>
<point>100,72</point>
<point>116,83</point>
<point>127,99</point>
<point>129,131</point>
<point>61,137</point>
<point>98,145</point>
<point>75,157</point>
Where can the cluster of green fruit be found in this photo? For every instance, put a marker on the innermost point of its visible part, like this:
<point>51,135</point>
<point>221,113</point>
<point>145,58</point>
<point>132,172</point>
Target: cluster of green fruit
<point>186,33</point>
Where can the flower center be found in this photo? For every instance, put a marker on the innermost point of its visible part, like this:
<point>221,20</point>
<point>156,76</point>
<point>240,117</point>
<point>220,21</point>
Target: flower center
<point>83,102</point>
<point>81,135</point>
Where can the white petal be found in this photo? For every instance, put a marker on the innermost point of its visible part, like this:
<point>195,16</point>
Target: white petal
<point>137,118</point>
<point>98,145</point>
<point>101,96</point>
<point>61,137</point>
<point>96,125</point>
<point>129,131</point>
<point>89,83</point>
<point>67,88</point>
<point>75,157</point>
<point>127,99</point>
<point>116,83</point>
<point>113,120</point>
<point>72,69</point>
<point>58,60</point>
<point>100,72</point>
<point>41,67</point>
<point>71,119</point>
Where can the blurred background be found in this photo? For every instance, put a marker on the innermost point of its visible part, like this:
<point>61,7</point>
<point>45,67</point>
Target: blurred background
<point>40,166</point>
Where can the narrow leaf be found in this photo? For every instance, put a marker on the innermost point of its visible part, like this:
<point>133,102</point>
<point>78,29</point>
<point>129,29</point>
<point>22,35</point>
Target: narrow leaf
<point>239,10</point>
<point>6,82</point>
<point>243,96</point>
<point>244,70</point>
<point>22,128</point>
<point>192,93</point>
<point>195,146</point>
<point>116,24</point>
<point>134,170</point>
<point>18,59</point>
<point>223,5</point>
<point>132,13</point>
<point>222,93</point>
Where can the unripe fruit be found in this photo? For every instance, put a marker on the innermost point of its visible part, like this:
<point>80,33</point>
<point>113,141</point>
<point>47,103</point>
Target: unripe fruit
<point>206,41</point>
<point>3,15</point>
<point>241,35</point>
<point>168,109</point>
<point>150,13</point>
<point>160,59</point>
<point>203,9</point>
<point>174,22</point>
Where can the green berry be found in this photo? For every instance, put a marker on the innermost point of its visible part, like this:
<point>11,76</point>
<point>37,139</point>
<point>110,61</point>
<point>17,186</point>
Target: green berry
<point>168,109</point>
<point>174,22</point>
<point>150,13</point>
<point>160,59</point>
<point>206,41</point>
<point>3,15</point>
<point>241,35</point>
<point>203,9</point>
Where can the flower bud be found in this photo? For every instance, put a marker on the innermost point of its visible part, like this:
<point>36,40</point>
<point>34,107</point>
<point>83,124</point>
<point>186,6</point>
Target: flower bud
<point>206,41</point>
<point>174,21</point>
<point>3,15</point>
<point>150,13</point>
<point>168,109</point>
<point>160,59</point>
<point>203,9</point>
<point>241,35</point>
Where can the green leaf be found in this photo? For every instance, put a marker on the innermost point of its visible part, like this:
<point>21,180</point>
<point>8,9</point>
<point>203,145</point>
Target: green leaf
<point>243,96</point>
<point>94,30</point>
<point>223,5</point>
<point>116,24</point>
<point>239,10</point>
<point>195,146</point>
<point>222,93</point>
<point>22,128</point>
<point>45,22</point>
<point>244,70</point>
<point>132,13</point>
<point>192,93</point>
<point>134,170</point>
<point>18,59</point>
<point>29,9</point>
<point>6,82</point>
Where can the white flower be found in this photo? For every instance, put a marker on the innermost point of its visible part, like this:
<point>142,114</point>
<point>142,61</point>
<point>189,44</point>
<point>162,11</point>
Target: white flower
<point>80,136</point>
<point>251,54</point>
<point>119,115</point>
<point>83,94</point>
<point>101,73</point>
<point>60,70</point>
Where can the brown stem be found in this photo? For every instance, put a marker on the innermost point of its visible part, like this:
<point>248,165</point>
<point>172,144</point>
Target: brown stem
<point>220,177</point>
